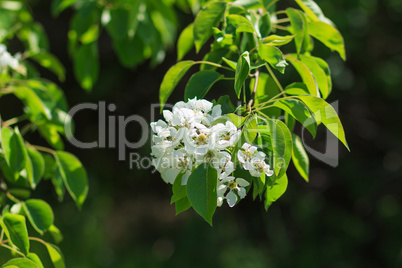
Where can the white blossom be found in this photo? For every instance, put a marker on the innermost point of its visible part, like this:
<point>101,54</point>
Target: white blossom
<point>7,60</point>
<point>187,138</point>
<point>253,160</point>
<point>231,188</point>
<point>226,135</point>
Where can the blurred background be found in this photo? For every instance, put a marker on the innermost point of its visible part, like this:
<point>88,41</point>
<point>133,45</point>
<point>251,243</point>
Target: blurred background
<point>347,216</point>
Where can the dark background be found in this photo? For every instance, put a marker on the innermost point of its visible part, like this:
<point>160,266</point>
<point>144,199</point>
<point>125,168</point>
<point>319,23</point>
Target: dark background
<point>346,216</point>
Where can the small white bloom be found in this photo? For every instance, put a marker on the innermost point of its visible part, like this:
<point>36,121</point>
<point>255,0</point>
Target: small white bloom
<point>234,186</point>
<point>7,60</point>
<point>198,140</point>
<point>226,135</point>
<point>257,166</point>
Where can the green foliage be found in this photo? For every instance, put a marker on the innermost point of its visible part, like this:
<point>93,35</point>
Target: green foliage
<point>24,165</point>
<point>201,191</point>
<point>251,42</point>
<point>139,31</point>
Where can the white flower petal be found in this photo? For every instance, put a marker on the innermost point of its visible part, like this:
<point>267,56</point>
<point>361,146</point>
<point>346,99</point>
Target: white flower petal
<point>242,182</point>
<point>220,191</point>
<point>231,198</point>
<point>219,201</point>
<point>241,192</point>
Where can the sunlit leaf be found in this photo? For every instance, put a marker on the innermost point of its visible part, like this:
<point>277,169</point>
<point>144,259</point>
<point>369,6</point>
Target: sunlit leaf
<point>273,56</point>
<point>35,258</point>
<point>171,79</point>
<point>74,176</point>
<point>299,27</point>
<point>55,255</point>
<point>328,35</point>
<point>185,42</point>
<point>207,18</point>
<point>39,213</point>
<point>319,75</point>
<point>21,263</point>
<point>326,114</point>
<point>201,191</point>
<point>300,112</point>
<point>16,230</point>
<point>38,166</point>
<point>306,75</point>
<point>300,158</point>
<point>242,72</point>
<point>275,191</point>
<point>200,83</point>
<point>50,62</point>
<point>276,40</point>
<point>14,150</point>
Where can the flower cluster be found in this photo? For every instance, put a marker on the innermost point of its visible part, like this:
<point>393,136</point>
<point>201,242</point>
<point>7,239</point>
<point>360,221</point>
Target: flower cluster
<point>189,136</point>
<point>6,60</point>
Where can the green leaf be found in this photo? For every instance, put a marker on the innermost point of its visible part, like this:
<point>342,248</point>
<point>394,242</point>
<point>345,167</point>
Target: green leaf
<point>84,18</point>
<point>33,257</point>
<point>60,5</point>
<point>179,190</point>
<point>226,105</point>
<point>300,112</point>
<point>182,205</point>
<point>264,24</point>
<point>39,213</point>
<point>249,4</point>
<point>58,183</point>
<point>124,20</point>
<point>273,56</point>
<point>20,193</point>
<point>281,141</point>
<point>21,263</point>
<point>328,35</point>
<point>324,66</point>
<point>215,55</point>
<point>55,233</point>
<point>200,83</point>
<point>86,65</point>
<point>34,36</point>
<point>240,23</point>
<point>234,118</point>
<point>242,72</point>
<point>185,42</point>
<point>299,27</point>
<point>266,88</point>
<point>250,129</point>
<point>14,150</point>
<point>207,18</point>
<point>49,61</point>
<point>326,114</point>
<point>201,191</point>
<point>37,164</point>
<point>74,176</point>
<point>128,56</point>
<point>300,158</point>
<point>16,230</point>
<point>297,88</point>
<point>230,63</point>
<point>171,79</point>
<point>44,100</point>
<point>276,40</point>
<point>306,75</point>
<point>312,10</point>
<point>275,191</point>
<point>55,255</point>
<point>319,75</point>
